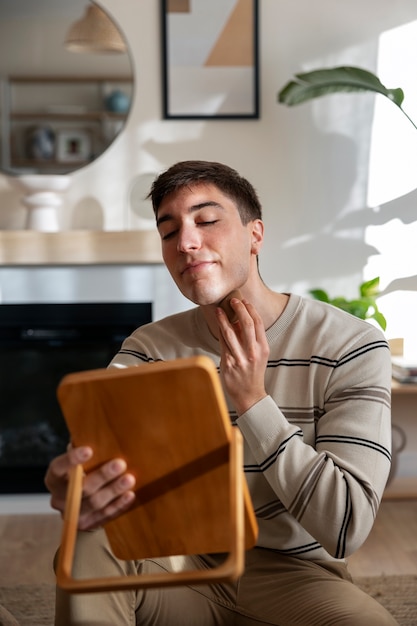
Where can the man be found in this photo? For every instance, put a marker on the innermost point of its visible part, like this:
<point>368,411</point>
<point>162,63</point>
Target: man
<point>309,388</point>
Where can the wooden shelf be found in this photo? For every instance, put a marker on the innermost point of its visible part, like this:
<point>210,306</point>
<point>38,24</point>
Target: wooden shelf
<point>83,108</point>
<point>403,388</point>
<point>72,78</point>
<point>86,116</point>
<point>79,247</point>
<point>50,165</point>
<point>401,488</point>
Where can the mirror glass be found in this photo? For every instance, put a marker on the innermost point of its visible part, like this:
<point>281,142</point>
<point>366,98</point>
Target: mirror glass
<point>59,109</point>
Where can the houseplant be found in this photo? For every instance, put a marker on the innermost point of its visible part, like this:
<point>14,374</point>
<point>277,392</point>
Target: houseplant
<point>364,306</point>
<point>321,82</point>
<point>314,84</point>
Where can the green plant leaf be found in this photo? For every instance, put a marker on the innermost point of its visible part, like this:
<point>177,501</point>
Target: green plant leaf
<point>321,82</point>
<point>319,294</point>
<point>358,308</point>
<point>339,301</point>
<point>364,307</point>
<point>378,317</point>
<point>370,288</point>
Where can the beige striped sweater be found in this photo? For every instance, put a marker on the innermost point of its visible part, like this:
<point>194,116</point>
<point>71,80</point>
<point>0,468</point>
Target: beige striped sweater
<point>317,449</point>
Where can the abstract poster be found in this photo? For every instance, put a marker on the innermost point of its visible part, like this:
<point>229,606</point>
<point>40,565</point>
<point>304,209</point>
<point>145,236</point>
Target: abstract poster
<point>210,58</point>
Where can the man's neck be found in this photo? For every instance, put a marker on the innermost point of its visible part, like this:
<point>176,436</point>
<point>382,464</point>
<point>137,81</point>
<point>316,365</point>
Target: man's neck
<point>268,303</point>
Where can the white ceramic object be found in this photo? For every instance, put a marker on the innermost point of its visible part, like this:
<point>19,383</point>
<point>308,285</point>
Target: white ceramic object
<point>42,198</point>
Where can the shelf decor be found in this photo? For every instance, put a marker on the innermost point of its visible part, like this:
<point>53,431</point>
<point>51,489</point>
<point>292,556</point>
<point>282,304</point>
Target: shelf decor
<point>210,59</point>
<point>73,146</point>
<point>40,143</point>
<point>42,198</point>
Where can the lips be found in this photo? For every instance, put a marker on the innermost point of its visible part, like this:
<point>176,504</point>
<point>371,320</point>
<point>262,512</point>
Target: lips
<point>195,266</point>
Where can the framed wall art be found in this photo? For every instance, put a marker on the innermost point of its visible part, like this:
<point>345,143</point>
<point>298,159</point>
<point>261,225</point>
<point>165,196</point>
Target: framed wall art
<point>210,59</point>
<point>73,146</point>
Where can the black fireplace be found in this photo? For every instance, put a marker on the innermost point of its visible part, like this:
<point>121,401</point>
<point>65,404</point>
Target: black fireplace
<point>39,344</point>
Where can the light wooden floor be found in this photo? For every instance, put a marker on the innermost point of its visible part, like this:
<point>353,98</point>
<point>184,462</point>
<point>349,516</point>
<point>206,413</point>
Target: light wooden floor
<point>391,547</point>
<point>28,543</point>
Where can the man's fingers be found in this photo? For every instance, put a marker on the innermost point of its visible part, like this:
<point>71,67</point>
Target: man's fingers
<point>59,468</point>
<point>94,518</point>
<point>103,501</point>
<point>226,306</point>
<point>107,490</point>
<point>100,477</point>
<point>101,492</point>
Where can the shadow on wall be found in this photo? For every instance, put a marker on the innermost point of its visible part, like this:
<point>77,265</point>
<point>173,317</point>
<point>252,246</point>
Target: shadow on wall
<point>305,243</point>
<point>88,215</point>
<point>12,213</point>
<point>402,209</point>
<point>311,234</point>
<point>327,237</point>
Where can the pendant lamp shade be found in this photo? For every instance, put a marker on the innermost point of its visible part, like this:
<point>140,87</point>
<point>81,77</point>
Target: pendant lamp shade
<point>94,32</point>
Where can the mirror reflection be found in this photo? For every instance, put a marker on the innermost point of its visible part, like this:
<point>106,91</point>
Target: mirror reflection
<point>61,107</point>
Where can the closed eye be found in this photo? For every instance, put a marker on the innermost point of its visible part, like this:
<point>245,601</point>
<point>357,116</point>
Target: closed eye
<point>172,233</point>
<point>207,223</point>
<point>169,235</point>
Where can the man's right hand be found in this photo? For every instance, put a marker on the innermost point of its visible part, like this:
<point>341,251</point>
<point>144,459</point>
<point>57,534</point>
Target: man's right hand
<point>107,490</point>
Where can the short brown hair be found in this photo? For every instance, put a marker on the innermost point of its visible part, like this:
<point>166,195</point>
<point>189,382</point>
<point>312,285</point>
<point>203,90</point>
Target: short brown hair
<point>225,178</point>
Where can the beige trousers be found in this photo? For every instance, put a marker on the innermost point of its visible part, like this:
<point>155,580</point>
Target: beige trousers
<point>274,589</point>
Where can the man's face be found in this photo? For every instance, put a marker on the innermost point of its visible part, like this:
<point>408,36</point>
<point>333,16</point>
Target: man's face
<point>205,246</point>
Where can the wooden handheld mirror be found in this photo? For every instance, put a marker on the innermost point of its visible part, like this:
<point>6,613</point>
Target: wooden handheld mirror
<point>169,421</point>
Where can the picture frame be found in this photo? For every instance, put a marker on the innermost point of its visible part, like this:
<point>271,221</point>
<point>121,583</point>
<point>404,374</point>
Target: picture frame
<point>210,59</point>
<point>73,146</point>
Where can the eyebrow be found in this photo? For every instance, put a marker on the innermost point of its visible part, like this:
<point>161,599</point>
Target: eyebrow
<point>192,209</point>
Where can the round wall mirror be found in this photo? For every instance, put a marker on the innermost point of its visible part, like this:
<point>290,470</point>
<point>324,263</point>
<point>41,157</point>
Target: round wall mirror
<point>61,106</point>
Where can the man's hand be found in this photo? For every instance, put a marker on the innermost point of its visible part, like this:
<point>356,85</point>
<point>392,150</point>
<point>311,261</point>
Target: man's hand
<point>107,490</point>
<point>244,355</point>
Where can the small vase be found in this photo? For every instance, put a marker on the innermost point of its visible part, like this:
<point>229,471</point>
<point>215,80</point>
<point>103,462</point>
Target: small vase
<point>117,102</point>
<point>42,198</point>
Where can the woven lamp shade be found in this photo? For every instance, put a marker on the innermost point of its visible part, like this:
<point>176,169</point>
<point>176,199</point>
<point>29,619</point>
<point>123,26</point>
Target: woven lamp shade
<point>94,32</point>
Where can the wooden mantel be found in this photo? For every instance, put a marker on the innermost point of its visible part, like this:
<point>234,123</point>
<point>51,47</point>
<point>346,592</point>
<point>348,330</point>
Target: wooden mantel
<point>79,247</point>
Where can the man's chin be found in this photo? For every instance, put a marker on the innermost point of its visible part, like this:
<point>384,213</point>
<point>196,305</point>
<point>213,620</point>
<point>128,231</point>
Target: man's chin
<point>201,297</point>
<point>204,299</point>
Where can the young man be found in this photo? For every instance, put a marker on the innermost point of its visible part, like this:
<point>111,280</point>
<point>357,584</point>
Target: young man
<point>309,388</point>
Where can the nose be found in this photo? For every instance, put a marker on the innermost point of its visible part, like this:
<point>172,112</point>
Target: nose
<point>188,239</point>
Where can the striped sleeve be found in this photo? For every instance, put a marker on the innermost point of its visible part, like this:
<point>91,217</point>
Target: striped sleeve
<point>325,451</point>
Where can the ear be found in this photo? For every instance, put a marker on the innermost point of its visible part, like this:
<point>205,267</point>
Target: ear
<point>257,234</point>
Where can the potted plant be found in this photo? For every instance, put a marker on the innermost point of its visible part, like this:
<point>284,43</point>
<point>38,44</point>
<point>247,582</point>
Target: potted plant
<point>364,306</point>
<point>318,83</point>
<point>314,84</point>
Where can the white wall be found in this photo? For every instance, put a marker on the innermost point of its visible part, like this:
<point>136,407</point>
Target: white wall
<point>308,163</point>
